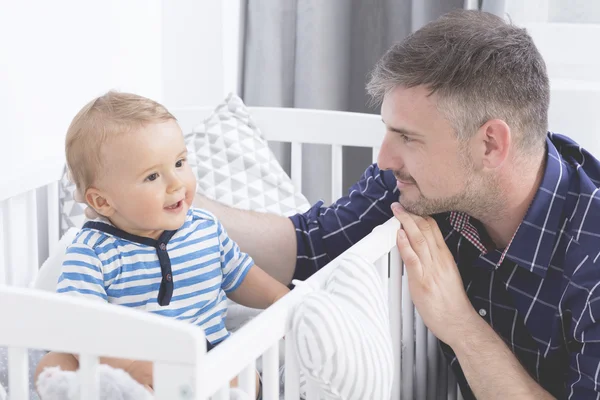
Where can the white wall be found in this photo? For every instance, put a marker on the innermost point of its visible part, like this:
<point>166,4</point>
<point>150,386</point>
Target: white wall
<point>57,55</point>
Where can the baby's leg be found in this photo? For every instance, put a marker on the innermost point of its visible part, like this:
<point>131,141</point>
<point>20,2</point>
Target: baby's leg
<point>66,362</point>
<point>234,384</point>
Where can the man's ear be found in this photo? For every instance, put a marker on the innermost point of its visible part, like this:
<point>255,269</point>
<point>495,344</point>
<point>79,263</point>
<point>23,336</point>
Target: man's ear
<point>494,140</point>
<point>99,202</point>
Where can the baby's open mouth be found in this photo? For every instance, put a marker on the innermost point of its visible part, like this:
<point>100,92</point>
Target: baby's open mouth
<point>174,206</point>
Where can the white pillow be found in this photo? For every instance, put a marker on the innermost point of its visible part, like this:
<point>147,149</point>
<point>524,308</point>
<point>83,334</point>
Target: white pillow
<point>342,334</point>
<point>47,276</point>
<point>234,164</point>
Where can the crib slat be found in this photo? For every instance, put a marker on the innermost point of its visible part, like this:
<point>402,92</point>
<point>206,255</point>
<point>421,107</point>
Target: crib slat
<point>459,395</point>
<point>32,235</point>
<point>53,217</point>
<point>395,308</point>
<point>88,368</point>
<point>222,394</point>
<point>336,172</point>
<point>171,381</point>
<point>451,385</point>
<point>270,373</point>
<point>432,365</point>
<point>18,373</point>
<point>421,357</point>
<point>442,387</point>
<point>312,390</point>
<point>296,165</point>
<point>375,153</point>
<point>248,380</point>
<point>3,245</point>
<point>292,371</point>
<point>382,267</point>
<point>408,341</point>
<point>9,242</point>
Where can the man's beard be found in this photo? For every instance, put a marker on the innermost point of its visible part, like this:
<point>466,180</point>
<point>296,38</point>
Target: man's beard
<point>479,197</point>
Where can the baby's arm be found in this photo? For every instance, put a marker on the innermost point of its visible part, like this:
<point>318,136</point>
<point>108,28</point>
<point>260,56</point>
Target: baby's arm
<point>258,289</point>
<point>243,281</point>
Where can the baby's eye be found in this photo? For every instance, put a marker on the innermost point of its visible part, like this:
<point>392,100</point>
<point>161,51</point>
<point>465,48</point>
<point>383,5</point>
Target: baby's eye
<point>152,177</point>
<point>179,163</point>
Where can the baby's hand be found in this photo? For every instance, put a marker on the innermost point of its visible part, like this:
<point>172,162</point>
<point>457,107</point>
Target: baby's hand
<point>89,211</point>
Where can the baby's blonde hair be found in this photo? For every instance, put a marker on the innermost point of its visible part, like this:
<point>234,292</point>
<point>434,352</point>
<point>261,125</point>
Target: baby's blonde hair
<point>105,116</point>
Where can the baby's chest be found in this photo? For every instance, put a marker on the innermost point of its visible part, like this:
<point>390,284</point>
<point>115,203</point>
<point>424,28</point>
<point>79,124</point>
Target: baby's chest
<point>193,268</point>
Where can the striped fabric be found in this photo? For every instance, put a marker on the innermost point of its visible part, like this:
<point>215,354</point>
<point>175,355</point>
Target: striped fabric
<point>204,265</point>
<point>342,334</point>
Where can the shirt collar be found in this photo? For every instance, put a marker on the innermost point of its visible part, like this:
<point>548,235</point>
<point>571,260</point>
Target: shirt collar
<point>533,244</point>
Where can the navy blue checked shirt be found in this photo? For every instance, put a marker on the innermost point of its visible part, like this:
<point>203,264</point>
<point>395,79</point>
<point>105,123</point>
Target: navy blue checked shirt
<point>541,294</point>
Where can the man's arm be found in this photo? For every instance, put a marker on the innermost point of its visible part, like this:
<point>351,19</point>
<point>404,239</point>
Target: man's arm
<point>269,239</point>
<point>492,370</point>
<point>436,288</point>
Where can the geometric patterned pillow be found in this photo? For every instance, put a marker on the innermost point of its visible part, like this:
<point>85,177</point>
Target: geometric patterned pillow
<point>341,334</point>
<point>232,163</point>
<point>72,213</point>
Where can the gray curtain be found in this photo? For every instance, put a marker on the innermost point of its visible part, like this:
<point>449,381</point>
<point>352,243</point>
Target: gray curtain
<point>317,54</point>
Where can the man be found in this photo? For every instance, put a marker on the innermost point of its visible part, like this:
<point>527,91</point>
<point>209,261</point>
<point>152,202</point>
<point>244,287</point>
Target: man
<point>465,104</point>
<point>500,219</point>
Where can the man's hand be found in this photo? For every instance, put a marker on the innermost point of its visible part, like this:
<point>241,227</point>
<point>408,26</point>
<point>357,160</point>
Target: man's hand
<point>436,288</point>
<point>434,282</point>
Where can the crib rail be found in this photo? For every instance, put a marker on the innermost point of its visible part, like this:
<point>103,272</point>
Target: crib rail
<point>181,363</point>
<point>420,371</point>
<point>69,323</point>
<point>29,230</point>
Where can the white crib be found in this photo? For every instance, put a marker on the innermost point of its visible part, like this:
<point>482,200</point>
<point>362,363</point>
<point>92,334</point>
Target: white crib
<point>34,319</point>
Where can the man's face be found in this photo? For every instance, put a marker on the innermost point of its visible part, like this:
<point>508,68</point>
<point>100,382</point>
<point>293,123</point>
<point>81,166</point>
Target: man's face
<point>434,170</point>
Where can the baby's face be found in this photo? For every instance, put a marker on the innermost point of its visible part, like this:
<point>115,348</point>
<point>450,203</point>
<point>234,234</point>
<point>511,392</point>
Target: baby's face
<point>147,179</point>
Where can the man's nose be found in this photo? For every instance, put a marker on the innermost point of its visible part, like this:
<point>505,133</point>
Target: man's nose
<point>388,158</point>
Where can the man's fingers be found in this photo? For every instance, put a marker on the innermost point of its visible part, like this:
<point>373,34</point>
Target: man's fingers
<point>409,257</point>
<point>426,226</point>
<point>417,239</point>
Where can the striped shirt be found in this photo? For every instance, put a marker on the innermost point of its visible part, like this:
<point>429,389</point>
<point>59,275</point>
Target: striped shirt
<point>541,293</point>
<point>199,261</point>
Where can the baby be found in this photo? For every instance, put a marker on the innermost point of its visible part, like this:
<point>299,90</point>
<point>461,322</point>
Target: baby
<point>149,249</point>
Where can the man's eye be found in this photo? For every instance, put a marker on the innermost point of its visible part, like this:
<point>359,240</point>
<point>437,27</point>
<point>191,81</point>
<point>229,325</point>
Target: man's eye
<point>405,138</point>
<point>152,177</point>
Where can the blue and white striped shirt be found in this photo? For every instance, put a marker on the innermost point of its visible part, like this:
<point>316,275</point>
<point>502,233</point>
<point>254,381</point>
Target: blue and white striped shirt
<point>204,265</point>
<point>541,294</point>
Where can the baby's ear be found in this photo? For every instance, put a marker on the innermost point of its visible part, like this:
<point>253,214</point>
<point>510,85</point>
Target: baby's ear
<point>99,202</point>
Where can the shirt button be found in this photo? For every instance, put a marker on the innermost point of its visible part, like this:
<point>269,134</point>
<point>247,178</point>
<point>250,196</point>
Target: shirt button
<point>482,312</point>
<point>168,277</point>
<point>163,246</point>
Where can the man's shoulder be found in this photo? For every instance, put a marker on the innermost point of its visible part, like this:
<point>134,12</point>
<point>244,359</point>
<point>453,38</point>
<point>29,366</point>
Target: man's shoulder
<point>582,205</point>
<point>578,159</point>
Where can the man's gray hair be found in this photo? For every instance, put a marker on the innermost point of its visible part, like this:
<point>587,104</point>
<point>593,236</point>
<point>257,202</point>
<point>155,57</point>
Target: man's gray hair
<point>481,68</point>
